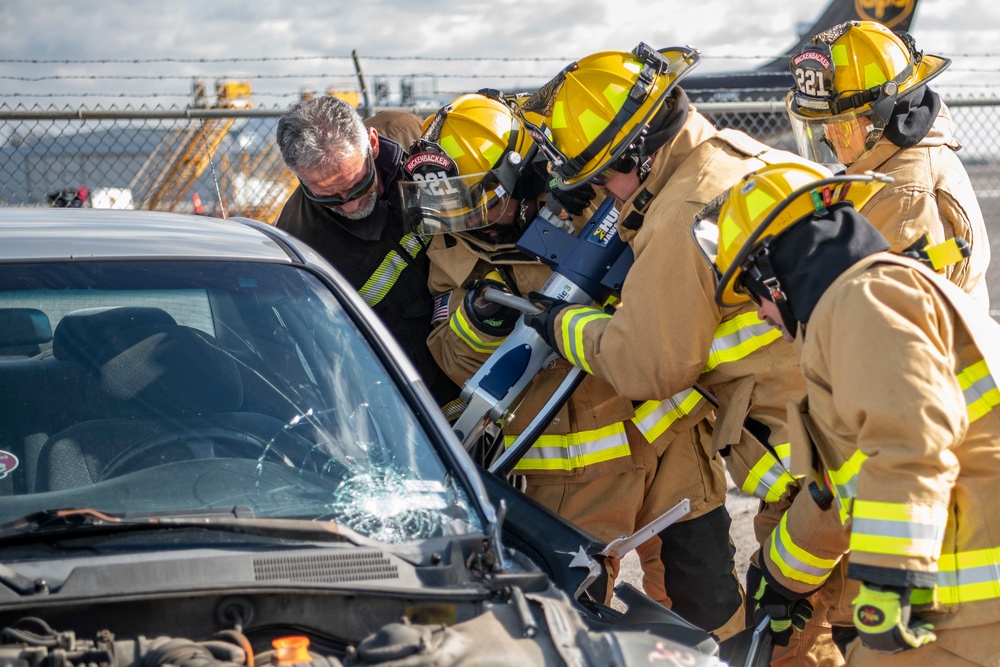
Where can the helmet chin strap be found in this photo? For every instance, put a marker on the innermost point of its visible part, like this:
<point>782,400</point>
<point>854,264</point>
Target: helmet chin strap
<point>761,271</point>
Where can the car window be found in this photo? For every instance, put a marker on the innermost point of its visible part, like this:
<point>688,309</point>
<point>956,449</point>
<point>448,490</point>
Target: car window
<point>178,387</point>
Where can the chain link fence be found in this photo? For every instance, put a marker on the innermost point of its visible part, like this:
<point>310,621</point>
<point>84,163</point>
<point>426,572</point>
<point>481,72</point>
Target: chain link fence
<point>215,161</point>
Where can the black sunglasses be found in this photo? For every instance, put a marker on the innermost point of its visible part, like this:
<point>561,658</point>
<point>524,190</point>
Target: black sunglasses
<point>357,192</point>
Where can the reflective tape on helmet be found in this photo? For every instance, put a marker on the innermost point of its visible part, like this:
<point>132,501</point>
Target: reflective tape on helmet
<point>897,529</point>
<point>795,562</point>
<point>573,322</point>
<point>980,390</point>
<point>737,338</point>
<point>468,333</point>
<point>387,273</point>
<point>768,479</point>
<point>574,450</point>
<point>653,418</point>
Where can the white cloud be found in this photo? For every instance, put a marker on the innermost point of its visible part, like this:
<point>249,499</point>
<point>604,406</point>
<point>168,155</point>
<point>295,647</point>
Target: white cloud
<point>724,30</point>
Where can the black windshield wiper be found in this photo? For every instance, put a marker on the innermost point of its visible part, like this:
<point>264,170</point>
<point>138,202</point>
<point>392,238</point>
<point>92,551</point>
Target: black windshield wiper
<point>72,522</point>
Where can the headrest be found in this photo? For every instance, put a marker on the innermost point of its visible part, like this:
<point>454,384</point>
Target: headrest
<point>82,333</point>
<point>163,370</point>
<point>24,326</point>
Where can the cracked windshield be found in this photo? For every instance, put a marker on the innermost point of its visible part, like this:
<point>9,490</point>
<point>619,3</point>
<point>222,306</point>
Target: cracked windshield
<point>180,388</point>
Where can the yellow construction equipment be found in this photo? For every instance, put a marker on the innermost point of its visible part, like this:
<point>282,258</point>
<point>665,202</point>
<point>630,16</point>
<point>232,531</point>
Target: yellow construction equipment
<point>169,173</point>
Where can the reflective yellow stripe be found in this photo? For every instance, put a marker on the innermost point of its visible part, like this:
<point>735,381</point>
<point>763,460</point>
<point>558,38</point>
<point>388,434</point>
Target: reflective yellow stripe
<point>385,276</point>
<point>735,339</point>
<point>795,562</point>
<point>768,479</point>
<point>968,576</point>
<point>653,418</point>
<point>468,333</point>
<point>573,322</point>
<point>784,453</point>
<point>897,529</point>
<point>574,450</point>
<point>844,483</point>
<point>453,409</point>
<point>980,390</point>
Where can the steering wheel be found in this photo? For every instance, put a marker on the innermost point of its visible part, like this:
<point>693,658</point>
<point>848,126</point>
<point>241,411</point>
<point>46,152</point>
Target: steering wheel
<point>205,442</point>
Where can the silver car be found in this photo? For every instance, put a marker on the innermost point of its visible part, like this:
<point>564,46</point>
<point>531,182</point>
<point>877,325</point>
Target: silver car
<point>211,451</point>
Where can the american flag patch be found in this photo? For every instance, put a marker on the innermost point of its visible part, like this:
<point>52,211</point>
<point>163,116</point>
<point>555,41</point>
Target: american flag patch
<point>441,308</point>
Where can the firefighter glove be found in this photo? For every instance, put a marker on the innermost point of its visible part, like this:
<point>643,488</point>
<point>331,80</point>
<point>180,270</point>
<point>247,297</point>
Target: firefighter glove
<point>544,322</point>
<point>573,201</point>
<point>490,318</point>
<point>882,619</point>
<point>787,615</point>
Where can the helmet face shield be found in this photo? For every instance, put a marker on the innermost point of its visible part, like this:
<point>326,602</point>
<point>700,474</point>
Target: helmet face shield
<point>705,233</point>
<point>448,204</point>
<point>844,138</point>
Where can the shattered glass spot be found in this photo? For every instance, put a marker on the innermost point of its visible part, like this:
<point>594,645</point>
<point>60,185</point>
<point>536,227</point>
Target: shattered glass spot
<point>386,506</point>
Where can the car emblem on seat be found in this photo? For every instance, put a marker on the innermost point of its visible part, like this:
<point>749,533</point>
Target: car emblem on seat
<point>7,463</point>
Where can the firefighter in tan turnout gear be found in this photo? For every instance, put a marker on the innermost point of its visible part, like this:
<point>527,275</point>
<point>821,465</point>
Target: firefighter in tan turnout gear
<point>900,428</point>
<point>620,124</point>
<point>599,463</point>
<point>861,99</point>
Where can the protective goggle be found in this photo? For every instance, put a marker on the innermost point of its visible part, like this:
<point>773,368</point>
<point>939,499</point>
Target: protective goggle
<point>357,192</point>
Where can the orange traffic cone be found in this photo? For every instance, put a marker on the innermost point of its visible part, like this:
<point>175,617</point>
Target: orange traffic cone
<point>196,201</point>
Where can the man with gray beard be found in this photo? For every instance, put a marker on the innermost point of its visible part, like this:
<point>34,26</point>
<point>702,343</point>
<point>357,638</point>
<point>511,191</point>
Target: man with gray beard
<point>346,207</point>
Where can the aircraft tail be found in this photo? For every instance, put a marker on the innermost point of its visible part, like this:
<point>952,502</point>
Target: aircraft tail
<point>894,14</point>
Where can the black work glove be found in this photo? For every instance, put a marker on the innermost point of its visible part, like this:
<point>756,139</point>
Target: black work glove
<point>544,321</point>
<point>787,614</point>
<point>573,201</point>
<point>493,319</point>
<point>882,619</point>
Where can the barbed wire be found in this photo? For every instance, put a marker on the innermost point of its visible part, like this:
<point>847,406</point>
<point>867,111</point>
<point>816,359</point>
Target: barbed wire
<point>264,59</point>
<point>325,75</point>
<point>387,75</point>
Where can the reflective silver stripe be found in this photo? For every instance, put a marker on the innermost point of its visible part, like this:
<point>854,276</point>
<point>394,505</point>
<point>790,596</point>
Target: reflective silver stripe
<point>573,323</point>
<point>737,338</point>
<point>979,389</point>
<point>782,553</point>
<point>904,529</point>
<point>771,483</point>
<point>385,276</point>
<point>664,413</point>
<point>969,575</point>
<point>574,450</point>
<point>412,243</point>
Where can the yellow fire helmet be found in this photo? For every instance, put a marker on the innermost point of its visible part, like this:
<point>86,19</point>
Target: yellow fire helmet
<point>847,81</point>
<point>597,107</point>
<point>748,218</point>
<point>468,159</point>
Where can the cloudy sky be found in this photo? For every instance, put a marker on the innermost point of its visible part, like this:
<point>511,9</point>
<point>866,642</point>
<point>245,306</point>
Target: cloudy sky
<point>139,52</point>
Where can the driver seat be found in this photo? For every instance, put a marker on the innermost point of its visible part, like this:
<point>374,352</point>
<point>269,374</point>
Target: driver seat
<point>146,383</point>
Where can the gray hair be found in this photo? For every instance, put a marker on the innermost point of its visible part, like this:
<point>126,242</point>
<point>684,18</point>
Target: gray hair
<point>319,132</point>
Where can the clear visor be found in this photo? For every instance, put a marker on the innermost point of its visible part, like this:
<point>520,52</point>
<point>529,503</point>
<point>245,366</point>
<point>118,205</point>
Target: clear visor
<point>706,236</point>
<point>449,205</point>
<point>844,138</point>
